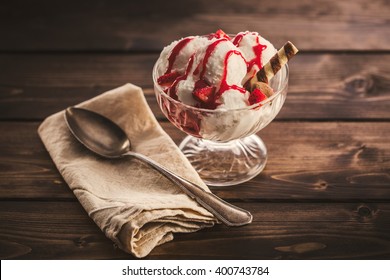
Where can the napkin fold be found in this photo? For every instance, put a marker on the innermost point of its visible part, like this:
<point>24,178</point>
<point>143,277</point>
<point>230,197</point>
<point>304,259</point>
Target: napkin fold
<point>134,205</point>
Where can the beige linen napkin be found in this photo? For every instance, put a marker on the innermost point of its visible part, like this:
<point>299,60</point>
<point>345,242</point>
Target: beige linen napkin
<point>133,204</point>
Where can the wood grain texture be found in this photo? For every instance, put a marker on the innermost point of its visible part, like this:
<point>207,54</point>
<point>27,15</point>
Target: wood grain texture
<point>326,87</point>
<point>307,160</point>
<point>135,25</point>
<point>33,230</point>
<point>325,192</point>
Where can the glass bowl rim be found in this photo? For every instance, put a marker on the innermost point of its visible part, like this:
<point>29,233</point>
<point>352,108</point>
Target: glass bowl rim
<point>254,106</point>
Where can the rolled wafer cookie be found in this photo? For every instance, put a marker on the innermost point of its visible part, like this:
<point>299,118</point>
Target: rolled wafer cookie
<point>274,64</point>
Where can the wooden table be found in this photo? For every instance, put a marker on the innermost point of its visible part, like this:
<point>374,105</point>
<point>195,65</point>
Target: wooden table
<point>325,192</point>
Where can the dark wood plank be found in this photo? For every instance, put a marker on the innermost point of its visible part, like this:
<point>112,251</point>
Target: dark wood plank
<point>47,230</point>
<point>50,230</point>
<point>134,25</point>
<point>324,86</point>
<point>307,160</point>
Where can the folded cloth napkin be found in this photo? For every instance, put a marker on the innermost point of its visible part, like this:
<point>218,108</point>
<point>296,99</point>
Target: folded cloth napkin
<point>134,205</point>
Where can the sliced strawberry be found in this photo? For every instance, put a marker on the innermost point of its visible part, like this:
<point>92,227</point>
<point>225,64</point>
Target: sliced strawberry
<point>167,79</point>
<point>204,95</point>
<point>203,92</point>
<point>201,84</point>
<point>219,34</point>
<point>256,96</point>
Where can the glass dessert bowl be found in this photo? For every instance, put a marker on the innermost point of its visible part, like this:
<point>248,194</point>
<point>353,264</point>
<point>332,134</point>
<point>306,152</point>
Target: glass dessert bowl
<point>222,144</point>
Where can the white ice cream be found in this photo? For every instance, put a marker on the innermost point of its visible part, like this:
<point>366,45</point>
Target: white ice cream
<point>238,71</point>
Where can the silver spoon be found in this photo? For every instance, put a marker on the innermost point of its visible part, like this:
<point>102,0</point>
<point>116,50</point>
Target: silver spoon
<point>104,137</point>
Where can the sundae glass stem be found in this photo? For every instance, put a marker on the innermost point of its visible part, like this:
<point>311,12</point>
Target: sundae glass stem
<point>226,163</point>
<point>227,213</point>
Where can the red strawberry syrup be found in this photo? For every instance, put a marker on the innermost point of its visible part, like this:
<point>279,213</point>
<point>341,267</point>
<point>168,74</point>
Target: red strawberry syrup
<point>207,55</point>
<point>257,50</point>
<point>175,51</point>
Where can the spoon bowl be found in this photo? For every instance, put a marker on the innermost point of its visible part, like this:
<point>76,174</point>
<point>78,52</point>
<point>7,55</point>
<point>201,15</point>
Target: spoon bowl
<point>97,133</point>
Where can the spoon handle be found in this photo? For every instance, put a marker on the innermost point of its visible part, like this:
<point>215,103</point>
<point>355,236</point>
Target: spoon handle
<point>227,213</point>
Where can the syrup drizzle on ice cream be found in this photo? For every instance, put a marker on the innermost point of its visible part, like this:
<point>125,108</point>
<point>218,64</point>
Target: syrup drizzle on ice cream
<point>173,88</point>
<point>257,49</point>
<point>224,85</point>
<point>207,93</point>
<point>175,52</point>
<point>210,49</point>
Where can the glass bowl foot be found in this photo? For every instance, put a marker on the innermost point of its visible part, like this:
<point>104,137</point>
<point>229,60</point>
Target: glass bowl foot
<point>226,164</point>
